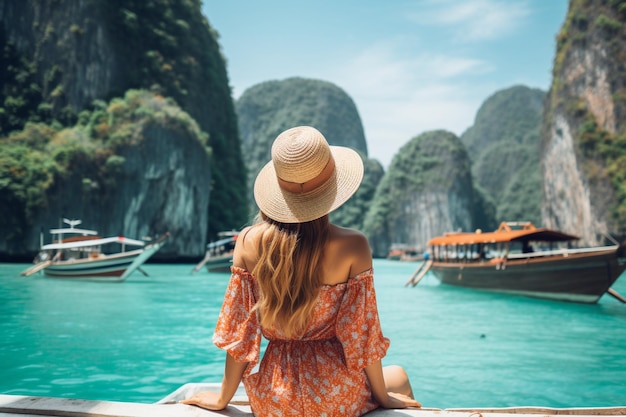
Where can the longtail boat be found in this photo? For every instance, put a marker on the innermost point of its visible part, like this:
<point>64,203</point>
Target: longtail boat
<point>519,258</point>
<point>81,253</point>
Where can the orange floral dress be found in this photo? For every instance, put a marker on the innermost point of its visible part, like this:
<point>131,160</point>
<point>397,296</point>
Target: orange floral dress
<point>320,374</point>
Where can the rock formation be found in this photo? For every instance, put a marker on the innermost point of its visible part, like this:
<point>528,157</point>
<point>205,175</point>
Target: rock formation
<point>153,181</point>
<point>427,191</point>
<point>583,137</point>
<point>503,144</point>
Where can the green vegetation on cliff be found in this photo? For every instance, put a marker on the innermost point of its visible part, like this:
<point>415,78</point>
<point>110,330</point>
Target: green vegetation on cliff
<point>25,175</point>
<point>352,214</point>
<point>20,95</point>
<point>38,158</point>
<point>595,30</point>
<point>504,146</point>
<point>431,162</point>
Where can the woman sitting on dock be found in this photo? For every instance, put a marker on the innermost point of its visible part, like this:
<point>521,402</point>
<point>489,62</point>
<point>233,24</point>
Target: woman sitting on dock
<point>307,286</point>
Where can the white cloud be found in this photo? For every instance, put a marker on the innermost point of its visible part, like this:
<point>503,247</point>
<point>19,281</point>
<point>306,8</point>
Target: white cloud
<point>474,20</point>
<point>390,124</point>
<point>400,96</point>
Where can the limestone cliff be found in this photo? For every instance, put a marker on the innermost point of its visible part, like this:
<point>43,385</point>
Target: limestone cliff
<point>503,143</point>
<point>427,191</point>
<point>162,188</point>
<point>583,138</point>
<point>74,55</point>
<point>148,177</point>
<point>64,59</point>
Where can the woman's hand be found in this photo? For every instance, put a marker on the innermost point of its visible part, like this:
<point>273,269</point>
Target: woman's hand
<point>233,371</point>
<point>207,399</point>
<point>395,400</point>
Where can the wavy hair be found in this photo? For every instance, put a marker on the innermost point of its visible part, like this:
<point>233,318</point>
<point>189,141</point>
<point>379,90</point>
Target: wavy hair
<point>289,272</point>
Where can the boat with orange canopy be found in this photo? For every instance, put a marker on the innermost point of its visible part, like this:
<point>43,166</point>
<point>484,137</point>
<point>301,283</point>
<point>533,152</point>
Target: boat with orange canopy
<point>519,258</point>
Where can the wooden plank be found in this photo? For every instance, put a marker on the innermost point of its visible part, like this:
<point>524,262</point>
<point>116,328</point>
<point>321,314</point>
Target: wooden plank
<point>417,278</point>
<point>35,268</point>
<point>11,405</point>
<point>617,295</point>
<point>64,407</point>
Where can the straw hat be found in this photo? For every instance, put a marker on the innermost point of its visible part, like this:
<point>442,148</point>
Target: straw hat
<point>306,178</point>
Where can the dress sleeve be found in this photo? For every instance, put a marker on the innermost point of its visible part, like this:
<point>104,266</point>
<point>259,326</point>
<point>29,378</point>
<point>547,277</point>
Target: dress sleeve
<point>237,330</point>
<point>358,326</point>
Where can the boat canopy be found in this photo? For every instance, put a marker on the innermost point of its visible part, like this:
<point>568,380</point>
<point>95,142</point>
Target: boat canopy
<point>505,233</point>
<point>94,242</point>
<point>73,230</point>
<point>221,242</point>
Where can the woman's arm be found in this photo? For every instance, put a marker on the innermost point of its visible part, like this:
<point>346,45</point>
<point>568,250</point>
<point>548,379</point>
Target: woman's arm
<point>386,399</point>
<point>233,372</point>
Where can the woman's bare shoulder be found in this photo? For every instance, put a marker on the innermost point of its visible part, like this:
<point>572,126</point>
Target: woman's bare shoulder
<point>245,254</point>
<point>348,251</point>
<point>350,237</point>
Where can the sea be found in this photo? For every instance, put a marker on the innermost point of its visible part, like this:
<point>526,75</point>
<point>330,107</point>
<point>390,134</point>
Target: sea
<point>140,340</point>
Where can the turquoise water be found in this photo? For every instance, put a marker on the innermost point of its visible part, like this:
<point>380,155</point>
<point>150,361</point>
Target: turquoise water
<point>142,339</point>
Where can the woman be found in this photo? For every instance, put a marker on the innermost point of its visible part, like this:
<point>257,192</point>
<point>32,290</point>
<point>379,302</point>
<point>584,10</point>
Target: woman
<point>307,286</point>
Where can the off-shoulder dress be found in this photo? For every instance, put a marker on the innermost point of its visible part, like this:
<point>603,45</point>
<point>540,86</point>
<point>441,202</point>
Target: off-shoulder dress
<point>319,374</point>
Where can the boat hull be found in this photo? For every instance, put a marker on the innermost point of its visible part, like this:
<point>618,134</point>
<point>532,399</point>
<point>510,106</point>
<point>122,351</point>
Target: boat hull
<point>220,263</point>
<point>219,254</point>
<point>115,267</point>
<point>112,267</point>
<point>580,277</point>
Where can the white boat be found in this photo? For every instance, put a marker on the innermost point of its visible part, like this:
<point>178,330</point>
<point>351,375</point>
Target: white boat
<point>219,254</point>
<point>81,253</point>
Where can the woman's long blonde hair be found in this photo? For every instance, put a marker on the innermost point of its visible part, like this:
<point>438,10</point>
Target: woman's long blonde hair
<point>289,272</point>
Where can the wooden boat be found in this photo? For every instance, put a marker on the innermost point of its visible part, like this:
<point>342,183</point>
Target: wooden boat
<point>402,252</point>
<point>219,254</point>
<point>81,253</point>
<point>519,258</point>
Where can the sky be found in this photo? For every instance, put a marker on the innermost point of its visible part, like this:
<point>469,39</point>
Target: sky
<point>411,66</point>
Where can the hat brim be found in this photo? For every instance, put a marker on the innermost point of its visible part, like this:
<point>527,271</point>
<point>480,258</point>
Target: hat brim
<point>287,207</point>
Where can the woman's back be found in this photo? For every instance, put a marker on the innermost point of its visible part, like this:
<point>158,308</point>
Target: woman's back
<point>346,253</point>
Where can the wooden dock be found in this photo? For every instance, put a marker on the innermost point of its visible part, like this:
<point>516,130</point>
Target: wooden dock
<point>27,406</point>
